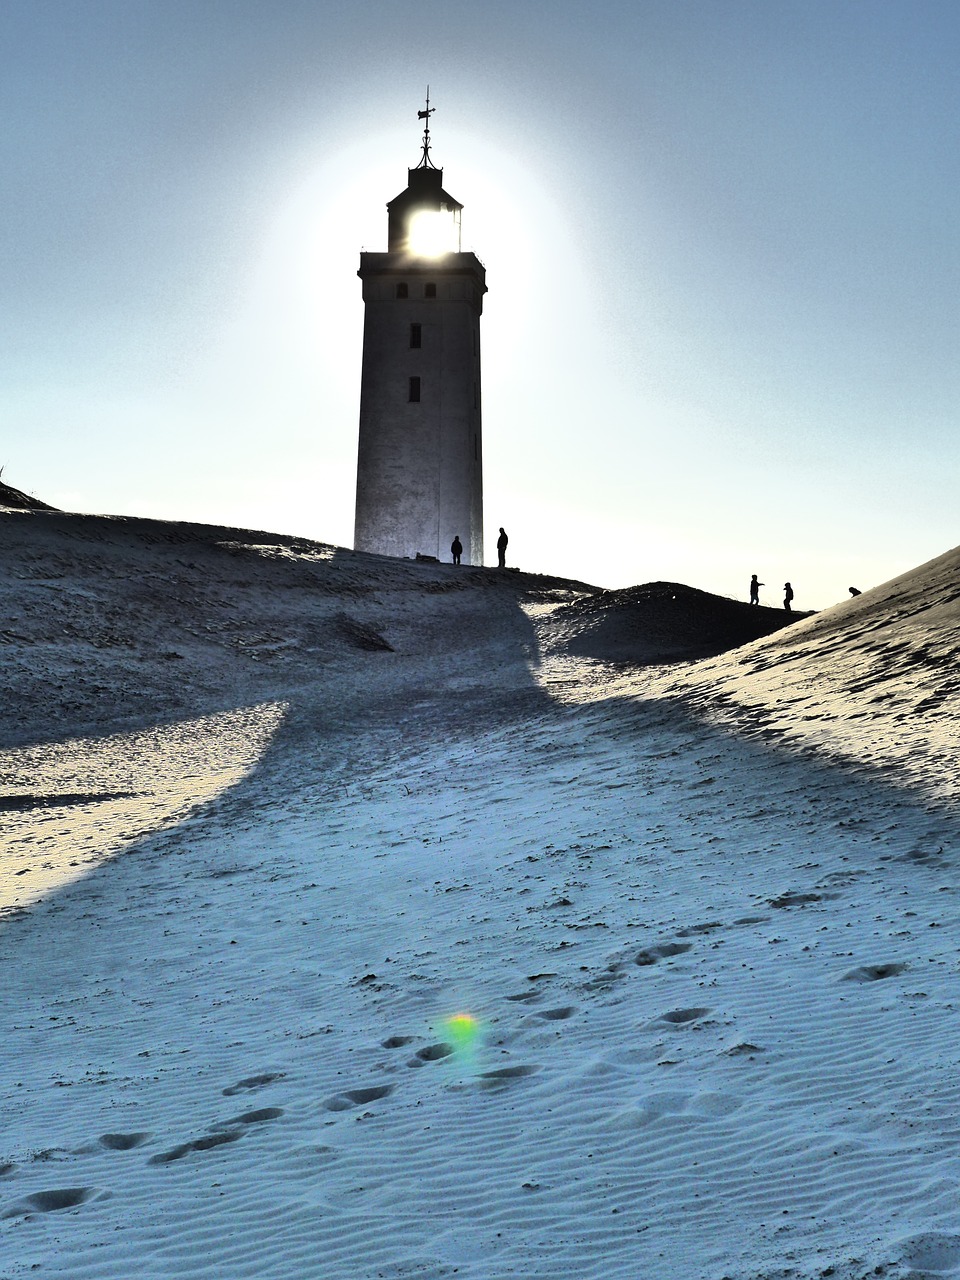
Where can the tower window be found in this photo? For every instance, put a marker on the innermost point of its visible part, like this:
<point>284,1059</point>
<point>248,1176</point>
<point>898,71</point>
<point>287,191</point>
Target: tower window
<point>414,396</point>
<point>401,290</point>
<point>415,335</point>
<point>429,290</point>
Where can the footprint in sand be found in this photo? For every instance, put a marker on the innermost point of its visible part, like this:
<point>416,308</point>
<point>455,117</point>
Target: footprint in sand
<point>874,972</point>
<point>695,1106</point>
<point>395,1042</point>
<point>254,1117</point>
<point>253,1082</point>
<point>123,1141</point>
<point>556,1015</point>
<point>504,1075</point>
<point>50,1201</point>
<point>652,954</point>
<point>743,1048</point>
<point>925,857</point>
<point>658,1105</point>
<point>933,1253</point>
<point>224,1132</point>
<point>198,1144</point>
<point>533,993</point>
<point>692,930</point>
<point>603,981</point>
<point>795,899</point>
<point>682,1017</point>
<point>357,1097</point>
<point>430,1053</point>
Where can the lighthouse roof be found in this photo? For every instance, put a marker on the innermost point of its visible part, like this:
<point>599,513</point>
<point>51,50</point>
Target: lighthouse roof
<point>424,191</point>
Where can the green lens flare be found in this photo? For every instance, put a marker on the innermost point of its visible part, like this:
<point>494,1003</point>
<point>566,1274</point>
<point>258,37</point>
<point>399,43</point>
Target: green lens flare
<point>462,1030</point>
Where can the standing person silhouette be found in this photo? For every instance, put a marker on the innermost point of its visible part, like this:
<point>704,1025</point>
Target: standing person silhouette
<point>502,549</point>
<point>787,596</point>
<point>755,589</point>
<point>456,548</point>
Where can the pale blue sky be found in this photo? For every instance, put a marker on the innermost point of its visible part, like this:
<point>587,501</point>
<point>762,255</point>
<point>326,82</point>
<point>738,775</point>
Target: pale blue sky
<point>721,239</point>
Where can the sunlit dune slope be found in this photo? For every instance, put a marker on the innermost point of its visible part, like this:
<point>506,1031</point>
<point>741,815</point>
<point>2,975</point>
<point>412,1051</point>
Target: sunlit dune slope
<point>875,677</point>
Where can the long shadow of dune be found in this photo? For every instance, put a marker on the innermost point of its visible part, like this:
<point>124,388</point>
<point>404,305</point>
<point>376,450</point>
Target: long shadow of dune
<point>374,658</point>
<point>59,799</point>
<point>143,628</point>
<point>740,795</point>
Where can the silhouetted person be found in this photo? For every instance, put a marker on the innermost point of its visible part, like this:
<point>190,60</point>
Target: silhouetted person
<point>787,596</point>
<point>456,549</point>
<point>853,591</point>
<point>755,589</point>
<point>502,549</point>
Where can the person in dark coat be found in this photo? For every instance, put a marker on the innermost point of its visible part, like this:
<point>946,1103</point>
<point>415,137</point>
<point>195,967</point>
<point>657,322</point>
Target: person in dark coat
<point>787,596</point>
<point>502,549</point>
<point>755,589</point>
<point>456,549</point>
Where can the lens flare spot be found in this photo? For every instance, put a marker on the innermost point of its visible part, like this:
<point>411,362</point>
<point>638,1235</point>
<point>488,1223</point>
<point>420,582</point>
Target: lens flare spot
<point>462,1030</point>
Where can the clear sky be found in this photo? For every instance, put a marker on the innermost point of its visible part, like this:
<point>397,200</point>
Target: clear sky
<point>721,239</point>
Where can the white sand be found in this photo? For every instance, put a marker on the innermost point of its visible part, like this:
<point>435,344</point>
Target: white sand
<point>705,918</point>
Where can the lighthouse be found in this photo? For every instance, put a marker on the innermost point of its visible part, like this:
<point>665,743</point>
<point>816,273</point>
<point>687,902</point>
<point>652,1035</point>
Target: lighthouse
<point>419,459</point>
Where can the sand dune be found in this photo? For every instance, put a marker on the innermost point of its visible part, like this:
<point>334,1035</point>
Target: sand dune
<point>20,501</point>
<point>116,623</point>
<point>660,622</point>
<point>502,952</point>
<point>874,679</point>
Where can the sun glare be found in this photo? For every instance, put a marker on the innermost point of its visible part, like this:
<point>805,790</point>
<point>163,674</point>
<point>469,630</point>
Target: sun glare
<point>432,234</point>
<point>463,1031</point>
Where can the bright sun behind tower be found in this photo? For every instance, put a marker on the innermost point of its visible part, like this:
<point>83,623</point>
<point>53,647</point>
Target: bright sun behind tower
<point>420,380</point>
<point>432,233</point>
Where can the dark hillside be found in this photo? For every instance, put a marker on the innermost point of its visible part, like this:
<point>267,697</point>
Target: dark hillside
<point>10,497</point>
<point>661,622</point>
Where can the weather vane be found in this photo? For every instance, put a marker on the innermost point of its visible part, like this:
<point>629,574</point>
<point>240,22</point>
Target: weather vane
<point>426,162</point>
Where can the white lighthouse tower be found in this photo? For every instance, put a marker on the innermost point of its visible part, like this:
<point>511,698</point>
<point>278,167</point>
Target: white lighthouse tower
<point>419,472</point>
